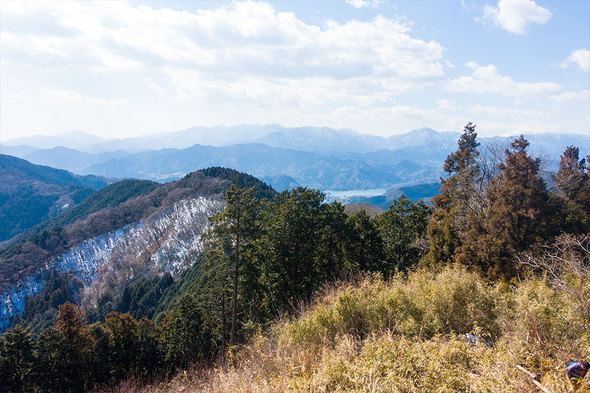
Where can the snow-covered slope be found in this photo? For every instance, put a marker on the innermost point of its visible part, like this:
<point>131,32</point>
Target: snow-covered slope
<point>167,241</point>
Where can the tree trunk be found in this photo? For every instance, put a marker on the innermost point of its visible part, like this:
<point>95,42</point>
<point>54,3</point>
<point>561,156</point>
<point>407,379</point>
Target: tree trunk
<point>223,333</point>
<point>234,306</point>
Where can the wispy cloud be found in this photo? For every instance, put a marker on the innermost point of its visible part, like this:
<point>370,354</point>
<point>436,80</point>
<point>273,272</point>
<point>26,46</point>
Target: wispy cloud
<point>246,43</point>
<point>487,79</point>
<point>579,58</point>
<point>515,16</point>
<point>364,3</point>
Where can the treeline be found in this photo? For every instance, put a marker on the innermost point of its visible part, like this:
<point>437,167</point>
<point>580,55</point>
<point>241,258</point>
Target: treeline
<point>489,213</point>
<point>267,255</point>
<point>288,247</point>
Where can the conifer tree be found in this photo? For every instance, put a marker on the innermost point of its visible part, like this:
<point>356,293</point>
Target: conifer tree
<point>365,247</point>
<point>122,329</point>
<point>519,214</point>
<point>77,341</point>
<point>231,235</point>
<point>51,364</point>
<point>290,241</point>
<point>573,184</point>
<point>460,200</point>
<point>17,360</point>
<point>401,226</point>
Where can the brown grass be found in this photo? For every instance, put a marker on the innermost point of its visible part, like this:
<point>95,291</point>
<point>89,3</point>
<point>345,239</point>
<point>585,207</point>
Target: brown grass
<point>407,335</point>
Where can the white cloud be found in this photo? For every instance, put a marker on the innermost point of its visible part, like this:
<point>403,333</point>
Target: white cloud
<point>364,3</point>
<point>571,96</point>
<point>242,62</point>
<point>515,16</point>
<point>579,58</point>
<point>72,97</point>
<point>487,79</point>
<point>246,38</point>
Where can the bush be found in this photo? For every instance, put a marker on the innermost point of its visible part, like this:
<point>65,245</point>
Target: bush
<point>426,304</point>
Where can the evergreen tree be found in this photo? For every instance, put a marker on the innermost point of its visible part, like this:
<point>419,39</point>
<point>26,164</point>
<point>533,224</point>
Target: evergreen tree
<point>519,215</point>
<point>77,346</point>
<point>122,330</point>
<point>53,362</point>
<point>365,247</point>
<point>185,340</point>
<point>149,357</point>
<point>401,226</point>
<point>101,355</point>
<point>332,239</point>
<point>460,201</point>
<point>291,233</point>
<point>231,235</point>
<point>573,183</point>
<point>17,360</point>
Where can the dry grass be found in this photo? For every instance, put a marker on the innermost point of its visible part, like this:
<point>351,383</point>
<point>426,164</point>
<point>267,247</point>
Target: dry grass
<point>407,335</point>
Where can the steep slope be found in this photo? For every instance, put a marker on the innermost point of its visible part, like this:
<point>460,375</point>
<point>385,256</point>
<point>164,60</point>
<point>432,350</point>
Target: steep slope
<point>110,196</point>
<point>31,193</point>
<point>147,235</point>
<point>450,331</point>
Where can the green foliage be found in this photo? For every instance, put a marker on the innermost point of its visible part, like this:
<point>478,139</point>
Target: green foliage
<point>17,360</point>
<point>459,201</point>
<point>291,227</point>
<point>51,370</point>
<point>76,346</point>
<point>402,228</point>
<point>185,339</point>
<point>231,237</point>
<point>122,331</point>
<point>40,311</point>
<point>364,247</point>
<point>573,183</point>
<point>30,194</point>
<point>519,215</point>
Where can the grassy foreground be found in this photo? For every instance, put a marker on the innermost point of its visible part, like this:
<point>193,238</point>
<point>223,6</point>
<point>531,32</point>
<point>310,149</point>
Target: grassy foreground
<point>407,334</point>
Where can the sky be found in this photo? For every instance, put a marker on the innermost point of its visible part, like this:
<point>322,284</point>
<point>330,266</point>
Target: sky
<point>120,69</point>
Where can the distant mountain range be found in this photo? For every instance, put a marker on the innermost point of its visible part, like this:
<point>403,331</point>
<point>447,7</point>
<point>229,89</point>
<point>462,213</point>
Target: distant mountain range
<point>322,158</point>
<point>31,193</point>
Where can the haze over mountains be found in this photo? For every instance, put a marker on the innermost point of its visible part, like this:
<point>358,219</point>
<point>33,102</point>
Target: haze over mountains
<point>322,158</point>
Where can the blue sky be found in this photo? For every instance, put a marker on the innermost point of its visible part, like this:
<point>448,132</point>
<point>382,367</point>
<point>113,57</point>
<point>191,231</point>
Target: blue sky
<point>383,67</point>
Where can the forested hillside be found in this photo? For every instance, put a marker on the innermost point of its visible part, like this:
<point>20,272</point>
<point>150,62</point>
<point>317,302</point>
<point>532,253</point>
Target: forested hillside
<point>30,194</point>
<point>292,293</point>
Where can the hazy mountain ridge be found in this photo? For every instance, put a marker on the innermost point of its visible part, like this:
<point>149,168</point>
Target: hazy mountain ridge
<point>318,157</point>
<point>30,193</point>
<point>306,168</point>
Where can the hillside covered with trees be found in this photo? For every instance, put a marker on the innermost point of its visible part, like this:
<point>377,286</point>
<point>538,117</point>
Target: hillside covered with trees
<point>30,194</point>
<point>294,294</point>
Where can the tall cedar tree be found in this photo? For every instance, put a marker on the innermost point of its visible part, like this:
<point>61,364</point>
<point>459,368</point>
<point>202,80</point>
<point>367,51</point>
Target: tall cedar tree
<point>17,360</point>
<point>71,323</point>
<point>459,201</point>
<point>573,183</point>
<point>519,215</point>
<point>291,236</point>
<point>122,330</point>
<point>232,232</point>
